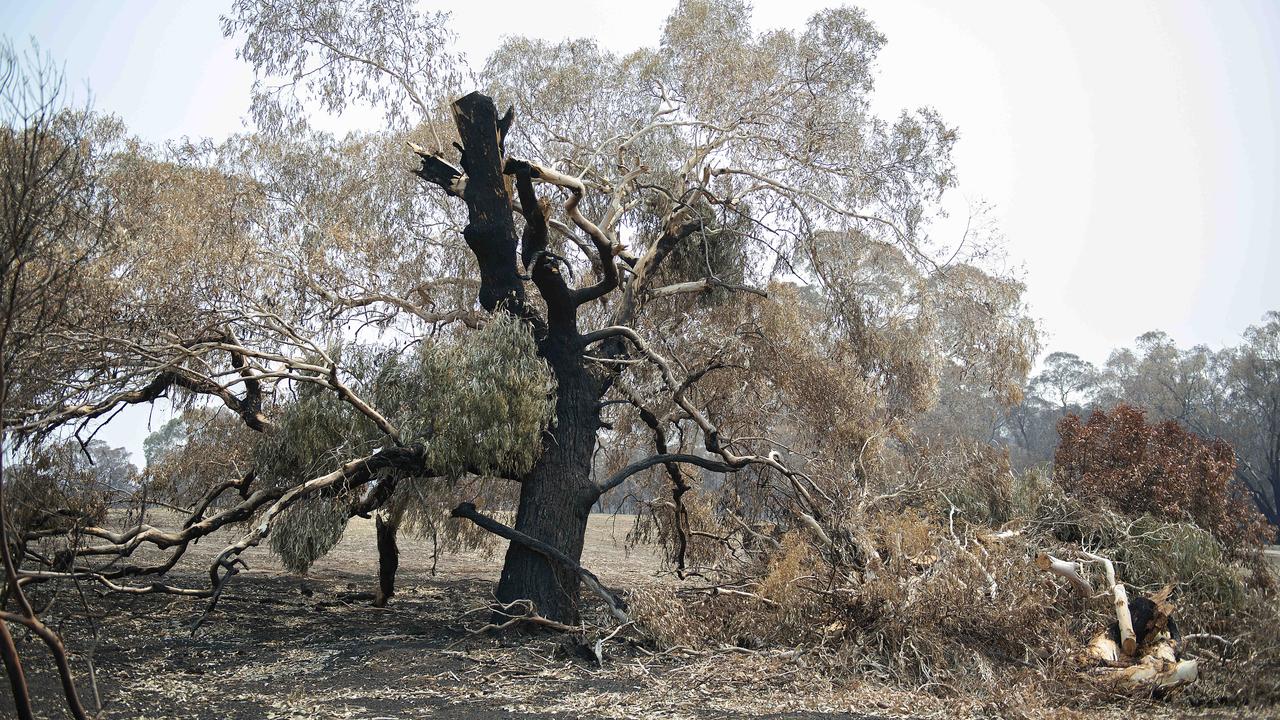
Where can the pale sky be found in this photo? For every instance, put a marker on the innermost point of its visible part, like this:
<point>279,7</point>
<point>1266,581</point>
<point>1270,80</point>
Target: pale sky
<point>1129,146</point>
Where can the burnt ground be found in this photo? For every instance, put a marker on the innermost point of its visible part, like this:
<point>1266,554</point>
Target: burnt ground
<point>285,646</point>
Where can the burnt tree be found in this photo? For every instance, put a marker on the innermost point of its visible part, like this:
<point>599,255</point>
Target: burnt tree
<point>557,494</point>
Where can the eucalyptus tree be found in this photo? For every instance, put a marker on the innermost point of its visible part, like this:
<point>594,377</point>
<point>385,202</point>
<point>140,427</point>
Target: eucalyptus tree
<point>1173,383</point>
<point>1252,384</point>
<point>1066,380</point>
<point>776,168</point>
<point>692,256</point>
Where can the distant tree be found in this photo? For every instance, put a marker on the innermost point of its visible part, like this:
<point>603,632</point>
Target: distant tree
<point>112,467</point>
<point>1031,430</point>
<point>1169,383</point>
<point>1066,380</point>
<point>1251,379</point>
<point>58,474</point>
<point>165,441</point>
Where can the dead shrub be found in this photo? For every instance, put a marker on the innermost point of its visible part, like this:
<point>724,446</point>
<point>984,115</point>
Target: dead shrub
<point>54,488</point>
<point>1243,661</point>
<point>922,611</point>
<point>1118,459</point>
<point>974,476</point>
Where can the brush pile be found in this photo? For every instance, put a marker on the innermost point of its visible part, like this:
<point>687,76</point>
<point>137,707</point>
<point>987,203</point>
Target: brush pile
<point>964,578</point>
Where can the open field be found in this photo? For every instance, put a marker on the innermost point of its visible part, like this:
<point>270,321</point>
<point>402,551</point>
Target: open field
<point>284,646</point>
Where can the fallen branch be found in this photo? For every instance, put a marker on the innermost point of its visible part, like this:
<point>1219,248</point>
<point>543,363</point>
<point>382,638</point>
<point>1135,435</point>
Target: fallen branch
<point>1067,570</point>
<point>1120,599</point>
<point>808,521</point>
<point>530,615</point>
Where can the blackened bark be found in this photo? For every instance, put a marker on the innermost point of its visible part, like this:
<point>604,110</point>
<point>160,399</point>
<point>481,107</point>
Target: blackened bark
<point>617,605</point>
<point>388,560</point>
<point>490,230</point>
<point>557,495</point>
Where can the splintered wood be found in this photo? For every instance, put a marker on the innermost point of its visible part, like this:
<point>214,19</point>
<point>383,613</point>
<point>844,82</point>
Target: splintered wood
<point>1144,658</point>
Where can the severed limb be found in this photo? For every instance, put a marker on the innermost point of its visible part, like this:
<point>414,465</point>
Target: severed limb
<point>1158,672</point>
<point>228,563</point>
<point>617,607</point>
<point>1158,667</point>
<point>1067,570</point>
<point>1120,599</point>
<point>437,171</point>
<point>528,614</point>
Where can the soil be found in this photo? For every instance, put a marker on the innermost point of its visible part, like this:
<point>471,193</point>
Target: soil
<point>285,646</point>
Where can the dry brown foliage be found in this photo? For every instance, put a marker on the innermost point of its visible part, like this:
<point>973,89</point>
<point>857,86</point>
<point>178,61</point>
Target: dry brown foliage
<point>931,583</point>
<point>1116,457</point>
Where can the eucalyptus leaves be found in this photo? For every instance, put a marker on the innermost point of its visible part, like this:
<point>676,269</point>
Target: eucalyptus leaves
<point>477,405</point>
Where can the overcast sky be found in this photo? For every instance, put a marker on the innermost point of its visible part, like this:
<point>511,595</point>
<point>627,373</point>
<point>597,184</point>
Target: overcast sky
<point>1129,146</point>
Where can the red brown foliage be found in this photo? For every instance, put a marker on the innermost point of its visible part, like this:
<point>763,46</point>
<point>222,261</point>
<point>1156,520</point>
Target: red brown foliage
<point>1163,469</point>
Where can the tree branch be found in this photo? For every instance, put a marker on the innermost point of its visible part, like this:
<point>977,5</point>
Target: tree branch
<point>617,478</point>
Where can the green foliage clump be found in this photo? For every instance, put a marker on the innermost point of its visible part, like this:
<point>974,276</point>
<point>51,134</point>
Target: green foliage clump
<point>314,433</point>
<point>308,530</point>
<point>1155,552</point>
<point>482,406</point>
<point>478,406</point>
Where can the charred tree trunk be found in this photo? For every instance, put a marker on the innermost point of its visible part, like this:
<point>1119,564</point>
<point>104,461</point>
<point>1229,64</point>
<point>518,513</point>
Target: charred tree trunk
<point>557,495</point>
<point>388,560</point>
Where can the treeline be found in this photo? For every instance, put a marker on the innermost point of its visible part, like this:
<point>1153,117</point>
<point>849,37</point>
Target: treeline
<point>1231,394</point>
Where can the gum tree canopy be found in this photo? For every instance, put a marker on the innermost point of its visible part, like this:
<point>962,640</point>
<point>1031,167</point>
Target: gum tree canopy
<point>702,267</point>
